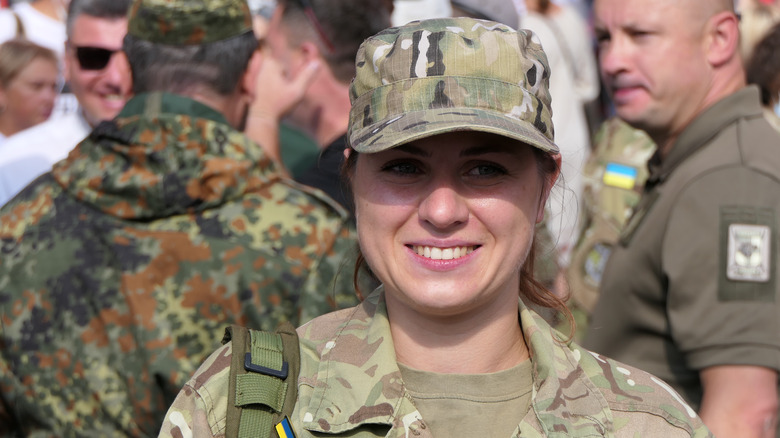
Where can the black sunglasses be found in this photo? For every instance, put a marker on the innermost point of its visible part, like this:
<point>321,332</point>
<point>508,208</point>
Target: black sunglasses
<point>93,58</point>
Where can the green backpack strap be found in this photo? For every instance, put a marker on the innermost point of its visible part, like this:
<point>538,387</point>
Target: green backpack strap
<point>263,380</point>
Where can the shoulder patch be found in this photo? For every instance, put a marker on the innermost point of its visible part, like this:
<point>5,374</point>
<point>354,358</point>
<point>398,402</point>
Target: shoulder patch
<point>747,254</point>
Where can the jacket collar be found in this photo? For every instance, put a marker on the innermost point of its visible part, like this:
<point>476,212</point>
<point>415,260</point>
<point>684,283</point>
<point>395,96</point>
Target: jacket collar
<point>743,103</point>
<point>152,105</point>
<point>563,397</point>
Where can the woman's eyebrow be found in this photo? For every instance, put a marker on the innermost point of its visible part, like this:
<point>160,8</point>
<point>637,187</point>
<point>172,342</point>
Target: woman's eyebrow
<point>488,149</point>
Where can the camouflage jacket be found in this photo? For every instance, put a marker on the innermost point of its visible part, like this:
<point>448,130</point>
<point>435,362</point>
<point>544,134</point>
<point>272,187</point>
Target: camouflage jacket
<point>613,179</point>
<point>350,385</point>
<point>121,267</point>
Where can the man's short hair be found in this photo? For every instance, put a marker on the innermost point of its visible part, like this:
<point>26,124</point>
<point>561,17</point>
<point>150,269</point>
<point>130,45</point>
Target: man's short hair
<point>108,9</point>
<point>346,23</point>
<point>178,69</point>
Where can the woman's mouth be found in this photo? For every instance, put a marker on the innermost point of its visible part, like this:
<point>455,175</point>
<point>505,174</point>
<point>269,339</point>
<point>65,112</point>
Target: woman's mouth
<point>436,253</point>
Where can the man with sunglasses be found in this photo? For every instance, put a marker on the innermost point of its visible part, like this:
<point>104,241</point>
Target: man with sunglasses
<point>98,76</point>
<point>121,268</point>
<point>310,61</point>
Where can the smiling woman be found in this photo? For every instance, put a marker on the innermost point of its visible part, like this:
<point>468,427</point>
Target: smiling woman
<point>451,160</point>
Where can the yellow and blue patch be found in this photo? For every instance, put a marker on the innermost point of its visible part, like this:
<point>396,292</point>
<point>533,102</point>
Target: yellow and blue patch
<point>284,429</point>
<point>620,175</point>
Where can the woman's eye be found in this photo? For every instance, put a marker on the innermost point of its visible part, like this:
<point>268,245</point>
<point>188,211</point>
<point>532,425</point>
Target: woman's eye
<point>401,168</point>
<point>486,170</point>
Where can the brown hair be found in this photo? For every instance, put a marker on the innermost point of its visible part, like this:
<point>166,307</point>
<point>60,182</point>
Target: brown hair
<point>18,53</point>
<point>530,288</point>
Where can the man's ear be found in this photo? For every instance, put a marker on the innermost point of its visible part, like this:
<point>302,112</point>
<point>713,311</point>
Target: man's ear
<point>309,51</point>
<point>548,183</point>
<point>722,33</point>
<point>66,61</point>
<point>249,79</point>
<point>2,99</point>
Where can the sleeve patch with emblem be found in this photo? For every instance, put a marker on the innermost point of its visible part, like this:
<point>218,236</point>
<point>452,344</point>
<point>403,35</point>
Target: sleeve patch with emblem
<point>749,253</point>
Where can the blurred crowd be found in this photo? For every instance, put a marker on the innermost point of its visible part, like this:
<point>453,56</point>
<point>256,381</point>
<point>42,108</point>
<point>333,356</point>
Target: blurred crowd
<point>110,236</point>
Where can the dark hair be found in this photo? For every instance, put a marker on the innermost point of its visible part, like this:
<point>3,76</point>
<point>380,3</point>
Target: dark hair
<point>530,288</point>
<point>108,9</point>
<point>178,69</point>
<point>763,68</point>
<point>345,23</point>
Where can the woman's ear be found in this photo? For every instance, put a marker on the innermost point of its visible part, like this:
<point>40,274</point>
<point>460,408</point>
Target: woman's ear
<point>547,185</point>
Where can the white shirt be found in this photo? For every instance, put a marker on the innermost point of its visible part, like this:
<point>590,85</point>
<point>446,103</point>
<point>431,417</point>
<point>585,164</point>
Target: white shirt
<point>38,27</point>
<point>27,154</point>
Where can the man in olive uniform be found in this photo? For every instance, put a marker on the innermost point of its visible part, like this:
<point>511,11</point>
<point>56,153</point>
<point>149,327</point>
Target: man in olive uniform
<point>690,294</point>
<point>121,267</point>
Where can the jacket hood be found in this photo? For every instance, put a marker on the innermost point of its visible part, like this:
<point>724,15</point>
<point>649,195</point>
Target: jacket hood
<point>163,155</point>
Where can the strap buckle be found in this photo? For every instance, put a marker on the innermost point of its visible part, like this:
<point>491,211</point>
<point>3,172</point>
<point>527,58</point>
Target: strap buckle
<point>251,366</point>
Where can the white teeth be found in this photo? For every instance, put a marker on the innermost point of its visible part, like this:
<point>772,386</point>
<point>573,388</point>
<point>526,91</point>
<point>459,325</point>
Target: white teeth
<point>434,253</point>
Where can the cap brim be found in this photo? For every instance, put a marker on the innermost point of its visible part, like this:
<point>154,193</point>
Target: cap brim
<point>407,127</point>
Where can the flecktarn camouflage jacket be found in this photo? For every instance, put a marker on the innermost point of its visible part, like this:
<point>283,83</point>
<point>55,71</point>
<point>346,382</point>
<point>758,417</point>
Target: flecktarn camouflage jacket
<point>350,385</point>
<point>120,268</point>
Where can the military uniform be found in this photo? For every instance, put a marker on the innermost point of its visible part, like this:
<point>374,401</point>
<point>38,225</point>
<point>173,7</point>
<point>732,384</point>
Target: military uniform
<point>693,283</point>
<point>121,266</point>
<point>613,179</point>
<point>416,81</point>
<point>350,385</point>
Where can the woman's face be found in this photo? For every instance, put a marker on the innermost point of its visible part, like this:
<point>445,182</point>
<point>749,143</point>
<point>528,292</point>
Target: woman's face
<point>446,222</point>
<point>29,97</point>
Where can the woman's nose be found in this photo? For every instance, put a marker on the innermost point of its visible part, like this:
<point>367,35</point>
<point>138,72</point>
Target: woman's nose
<point>444,207</point>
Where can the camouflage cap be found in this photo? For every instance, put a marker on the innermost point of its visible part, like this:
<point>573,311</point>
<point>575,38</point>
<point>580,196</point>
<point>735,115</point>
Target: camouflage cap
<point>450,74</point>
<point>188,22</point>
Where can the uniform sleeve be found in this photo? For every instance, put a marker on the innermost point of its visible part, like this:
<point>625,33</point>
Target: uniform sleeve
<point>721,263</point>
<point>330,280</point>
<point>200,408</point>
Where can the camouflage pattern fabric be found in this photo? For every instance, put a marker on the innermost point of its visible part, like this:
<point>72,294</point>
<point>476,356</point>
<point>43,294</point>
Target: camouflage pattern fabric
<point>350,385</point>
<point>613,179</point>
<point>450,74</point>
<point>188,22</point>
<point>121,268</point>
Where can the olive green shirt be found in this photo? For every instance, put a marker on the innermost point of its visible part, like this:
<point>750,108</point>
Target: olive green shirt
<point>471,404</point>
<point>693,283</point>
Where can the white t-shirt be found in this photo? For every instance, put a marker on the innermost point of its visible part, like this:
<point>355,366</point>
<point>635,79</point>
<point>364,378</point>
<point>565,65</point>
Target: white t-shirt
<point>27,154</point>
<point>38,27</point>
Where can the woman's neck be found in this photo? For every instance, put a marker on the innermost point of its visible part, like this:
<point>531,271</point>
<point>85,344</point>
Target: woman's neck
<point>8,127</point>
<point>52,9</point>
<point>489,340</point>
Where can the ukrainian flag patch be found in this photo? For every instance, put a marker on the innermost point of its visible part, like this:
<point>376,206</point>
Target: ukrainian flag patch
<point>284,429</point>
<point>620,175</point>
